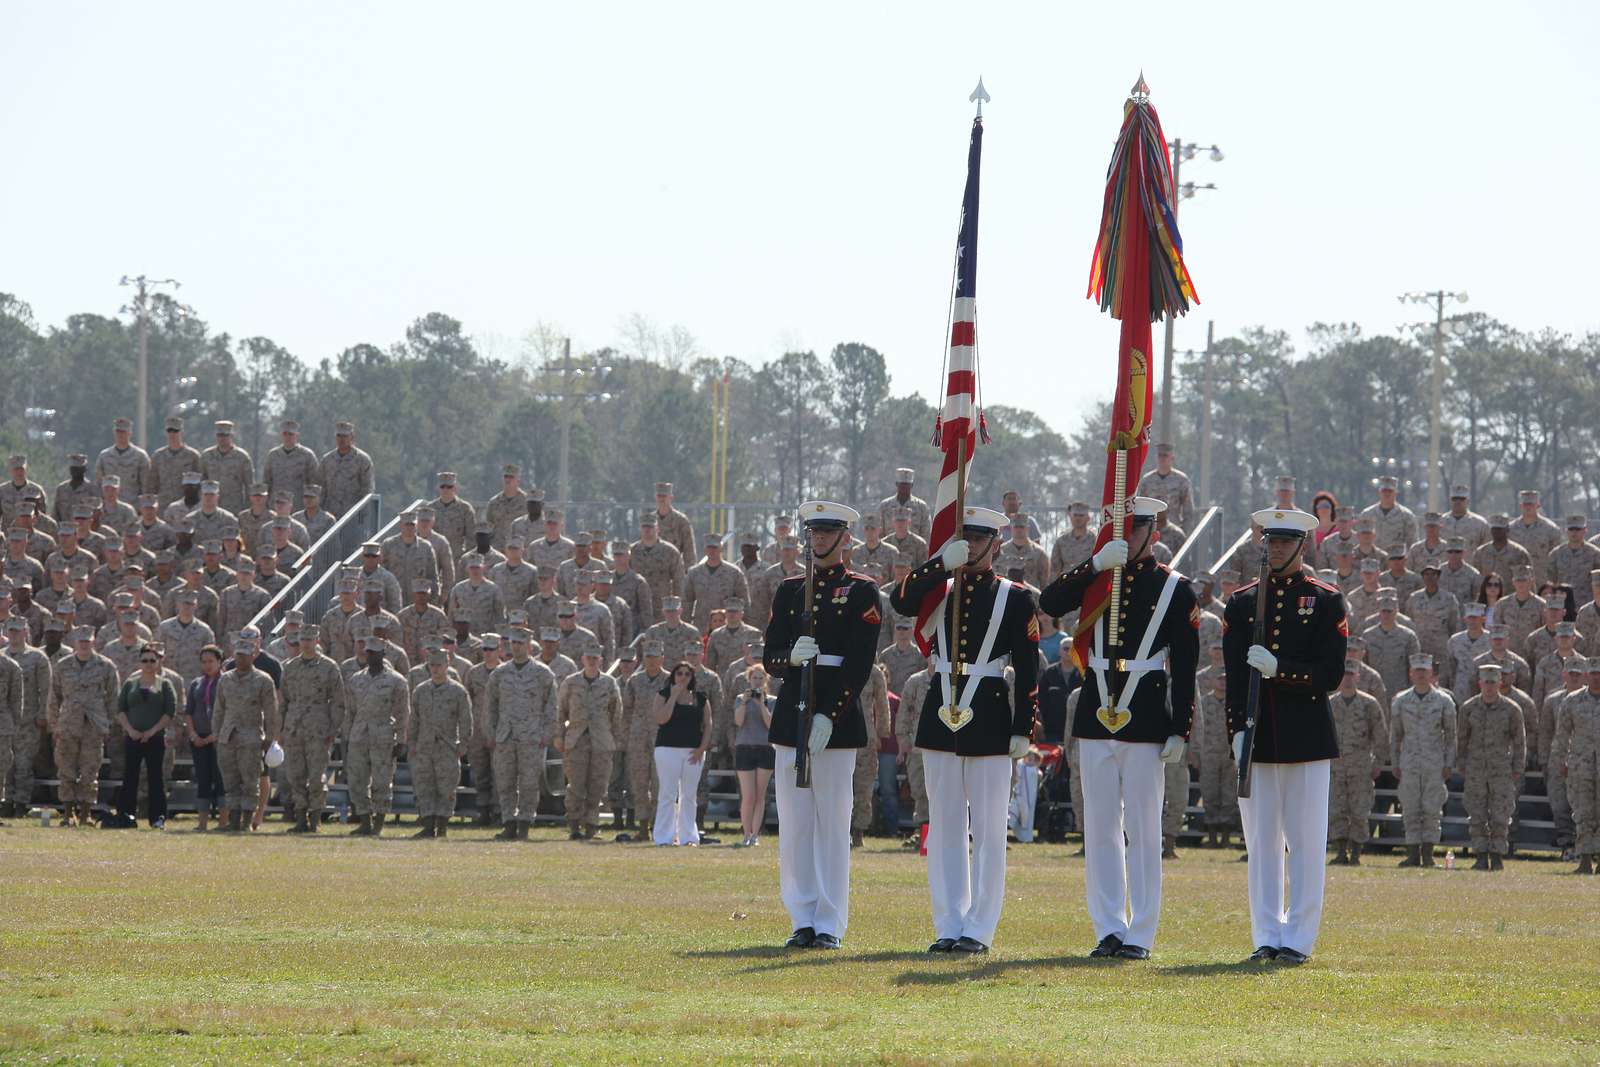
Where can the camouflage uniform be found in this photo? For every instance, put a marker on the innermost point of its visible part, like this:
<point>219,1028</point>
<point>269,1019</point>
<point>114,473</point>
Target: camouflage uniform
<point>1071,549</point>
<point>919,520</point>
<point>1390,652</point>
<point>763,588</point>
<point>288,470</point>
<point>1396,527</point>
<point>900,663</point>
<point>416,627</point>
<point>1577,749</point>
<point>1501,559</point>
<point>183,644</point>
<point>480,757</point>
<point>410,561</point>
<point>346,479</point>
<point>1219,776</point>
<point>131,465</point>
<point>590,712</point>
<point>30,733</point>
<point>595,618</point>
<point>639,694</point>
<point>1363,746</point>
<point>516,582</point>
<point>377,710</point>
<point>1522,617</point>
<point>1571,564</point>
<point>882,555</point>
<point>1462,653</point>
<point>502,510</point>
<point>1422,729</point>
<point>1539,537</point>
<point>1492,750</point>
<point>441,724</point>
<point>727,644</point>
<point>455,521</point>
<point>661,566</point>
<point>233,471</point>
<point>875,709</point>
<point>1472,528</point>
<point>1175,489</point>
<point>1030,557</point>
<point>520,701</point>
<point>1464,581</point>
<point>706,588</point>
<point>1434,616</point>
<point>912,548</point>
<point>543,552</point>
<point>675,637</point>
<point>337,639</point>
<point>244,716</point>
<point>313,707</point>
<point>238,605</point>
<point>83,707</point>
<point>912,696</point>
<point>480,606</point>
<point>631,586</point>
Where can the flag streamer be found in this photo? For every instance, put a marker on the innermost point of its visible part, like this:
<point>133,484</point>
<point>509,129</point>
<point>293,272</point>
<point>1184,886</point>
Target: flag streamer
<point>1138,275</point>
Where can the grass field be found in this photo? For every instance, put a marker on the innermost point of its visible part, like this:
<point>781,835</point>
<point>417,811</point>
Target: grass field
<point>147,947</point>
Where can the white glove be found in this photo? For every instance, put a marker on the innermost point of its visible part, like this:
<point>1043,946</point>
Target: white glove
<point>1019,746</point>
<point>1115,554</point>
<point>1262,660</point>
<point>1172,751</point>
<point>821,730</point>
<point>804,651</point>
<point>1238,748</point>
<point>955,554</point>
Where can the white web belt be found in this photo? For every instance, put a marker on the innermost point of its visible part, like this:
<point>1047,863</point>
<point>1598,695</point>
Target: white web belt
<point>981,667</point>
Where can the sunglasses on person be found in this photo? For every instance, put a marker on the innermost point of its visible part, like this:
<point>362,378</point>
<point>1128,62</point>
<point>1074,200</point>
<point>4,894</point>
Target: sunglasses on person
<point>149,661</point>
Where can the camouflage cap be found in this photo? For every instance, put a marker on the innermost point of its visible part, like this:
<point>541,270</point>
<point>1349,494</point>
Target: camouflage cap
<point>372,585</point>
<point>671,603</point>
<point>566,610</point>
<point>904,476</point>
<point>427,513</point>
<point>289,426</point>
<point>174,422</point>
<point>489,642</point>
<point>648,519</point>
<point>15,623</point>
<point>111,481</point>
<point>212,488</point>
<point>282,497</point>
<point>1397,552</point>
<point>422,585</point>
<point>294,617</point>
<point>1343,548</point>
<point>475,561</point>
<point>1285,481</point>
<point>1579,665</point>
<point>17,533</point>
<point>1474,609</point>
<point>1364,524</point>
<point>1344,512</point>
<point>259,489</point>
<point>1522,572</point>
<point>1577,522</point>
<point>904,622</point>
<point>438,658</point>
<point>266,552</point>
<point>1387,599</point>
<point>349,585</point>
<point>81,633</point>
<point>1432,518</point>
<point>582,539</point>
<point>146,500</point>
<point>733,603</point>
<point>344,428</point>
<point>19,460</point>
<point>229,532</point>
<point>1421,661</point>
<point>54,625</point>
<point>1430,565</point>
<point>1566,629</point>
<point>749,538</point>
<point>312,492</point>
<point>1528,496</point>
<point>583,577</point>
<point>547,573</point>
<point>192,478</point>
<point>549,633</point>
<point>1455,544</point>
<point>663,488</point>
<point>621,547</point>
<point>374,643</point>
<point>1371,565</point>
<point>511,470</point>
<point>447,478</point>
<point>122,423</point>
<point>654,648</point>
<point>536,494</point>
<point>590,647</point>
<point>212,547</point>
<point>1459,492</point>
<point>1497,521</point>
<point>1499,632</point>
<point>515,541</point>
<point>1489,672</point>
<point>1388,481</point>
<point>553,516</point>
<point>484,527</point>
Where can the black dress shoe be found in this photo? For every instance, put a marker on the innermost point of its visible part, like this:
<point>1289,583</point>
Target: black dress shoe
<point>801,938</point>
<point>825,941</point>
<point>1291,957</point>
<point>1106,948</point>
<point>1264,954</point>
<point>970,945</point>
<point>1132,952</point>
<point>944,944</point>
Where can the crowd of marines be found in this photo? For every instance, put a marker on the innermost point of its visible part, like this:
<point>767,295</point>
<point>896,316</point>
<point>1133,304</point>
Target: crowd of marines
<point>494,636</point>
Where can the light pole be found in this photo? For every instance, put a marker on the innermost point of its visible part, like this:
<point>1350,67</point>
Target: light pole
<point>1437,298</point>
<point>141,308</point>
<point>577,376</point>
<point>1181,150</point>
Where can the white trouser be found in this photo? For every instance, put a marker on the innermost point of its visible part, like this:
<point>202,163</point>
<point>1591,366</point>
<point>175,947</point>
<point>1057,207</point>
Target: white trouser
<point>1287,810</point>
<point>814,839</point>
<point>675,796</point>
<point>966,885</point>
<point>1024,798</point>
<point>1123,785</point>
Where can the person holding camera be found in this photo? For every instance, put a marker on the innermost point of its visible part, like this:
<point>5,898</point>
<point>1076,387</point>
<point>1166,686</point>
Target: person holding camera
<point>683,733</point>
<point>753,758</point>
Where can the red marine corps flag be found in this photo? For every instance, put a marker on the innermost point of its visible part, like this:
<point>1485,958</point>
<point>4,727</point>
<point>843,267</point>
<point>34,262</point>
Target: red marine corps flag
<point>955,433</point>
<point>1138,276</point>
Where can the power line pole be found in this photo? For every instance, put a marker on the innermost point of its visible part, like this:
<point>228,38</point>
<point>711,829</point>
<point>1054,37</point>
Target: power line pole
<point>1205,420</point>
<point>1436,400</point>
<point>141,308</point>
<point>1180,152</point>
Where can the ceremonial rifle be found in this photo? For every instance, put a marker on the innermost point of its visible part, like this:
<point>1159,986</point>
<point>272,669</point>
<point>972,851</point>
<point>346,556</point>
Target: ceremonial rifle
<point>806,705</point>
<point>1252,707</point>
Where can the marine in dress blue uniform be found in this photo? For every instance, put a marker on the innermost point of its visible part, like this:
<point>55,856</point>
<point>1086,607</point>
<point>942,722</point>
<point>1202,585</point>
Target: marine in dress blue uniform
<point>1296,741</point>
<point>968,764</point>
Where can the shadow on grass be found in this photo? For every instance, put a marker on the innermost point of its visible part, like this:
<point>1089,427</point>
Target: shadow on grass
<point>952,970</point>
<point>786,958</point>
<point>1210,970</point>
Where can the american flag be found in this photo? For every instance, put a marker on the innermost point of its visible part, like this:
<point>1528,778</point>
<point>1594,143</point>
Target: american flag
<point>959,419</point>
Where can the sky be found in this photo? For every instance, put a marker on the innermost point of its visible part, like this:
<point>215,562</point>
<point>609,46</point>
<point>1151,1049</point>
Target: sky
<point>780,176</point>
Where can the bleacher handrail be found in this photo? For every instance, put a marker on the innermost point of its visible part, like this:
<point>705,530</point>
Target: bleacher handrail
<point>325,552</point>
<point>1194,536</point>
<point>317,599</point>
<point>1223,559</point>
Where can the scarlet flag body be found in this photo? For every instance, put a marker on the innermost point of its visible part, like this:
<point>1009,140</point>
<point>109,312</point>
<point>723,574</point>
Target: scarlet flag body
<point>957,424</point>
<point>1138,275</point>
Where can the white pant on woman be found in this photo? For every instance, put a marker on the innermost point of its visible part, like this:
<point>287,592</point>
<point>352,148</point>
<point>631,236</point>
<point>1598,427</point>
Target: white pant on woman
<point>1287,811</point>
<point>1024,801</point>
<point>675,796</point>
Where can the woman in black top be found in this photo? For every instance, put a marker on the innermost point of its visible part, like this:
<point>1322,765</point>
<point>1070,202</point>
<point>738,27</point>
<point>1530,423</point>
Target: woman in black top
<point>145,708</point>
<point>683,733</point>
